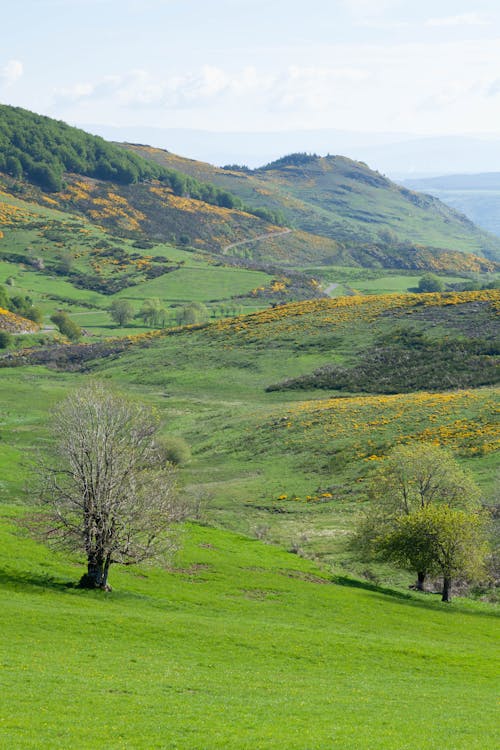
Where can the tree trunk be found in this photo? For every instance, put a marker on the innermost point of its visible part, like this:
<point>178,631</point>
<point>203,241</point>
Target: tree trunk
<point>420,581</point>
<point>446,590</point>
<point>96,576</point>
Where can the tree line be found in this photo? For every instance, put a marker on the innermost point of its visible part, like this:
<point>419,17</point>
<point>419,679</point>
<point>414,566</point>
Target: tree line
<point>42,149</point>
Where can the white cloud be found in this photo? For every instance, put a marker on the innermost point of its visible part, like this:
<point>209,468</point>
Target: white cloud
<point>464,19</point>
<point>294,87</point>
<point>11,72</point>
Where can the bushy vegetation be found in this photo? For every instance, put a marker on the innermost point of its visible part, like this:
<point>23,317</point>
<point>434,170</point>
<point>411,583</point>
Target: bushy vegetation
<point>406,361</point>
<point>66,326</point>
<point>21,305</point>
<point>298,159</point>
<point>43,150</point>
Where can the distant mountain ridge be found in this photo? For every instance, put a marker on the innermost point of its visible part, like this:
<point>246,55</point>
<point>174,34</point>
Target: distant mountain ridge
<point>340,211</point>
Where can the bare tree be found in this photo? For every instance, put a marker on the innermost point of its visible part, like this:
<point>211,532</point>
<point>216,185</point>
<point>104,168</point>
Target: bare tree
<point>106,491</point>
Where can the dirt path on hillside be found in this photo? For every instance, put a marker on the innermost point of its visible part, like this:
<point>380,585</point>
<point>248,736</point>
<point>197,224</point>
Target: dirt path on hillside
<point>259,237</point>
<point>328,289</point>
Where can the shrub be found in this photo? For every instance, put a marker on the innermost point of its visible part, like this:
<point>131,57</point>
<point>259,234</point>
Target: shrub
<point>67,326</point>
<point>430,283</point>
<point>175,450</point>
<point>6,339</point>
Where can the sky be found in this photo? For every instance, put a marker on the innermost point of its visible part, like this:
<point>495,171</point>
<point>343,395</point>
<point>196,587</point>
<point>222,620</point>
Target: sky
<point>389,66</point>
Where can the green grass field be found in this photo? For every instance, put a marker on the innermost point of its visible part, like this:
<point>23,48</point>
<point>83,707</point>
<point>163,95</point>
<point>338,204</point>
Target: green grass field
<point>242,644</point>
<point>239,646</point>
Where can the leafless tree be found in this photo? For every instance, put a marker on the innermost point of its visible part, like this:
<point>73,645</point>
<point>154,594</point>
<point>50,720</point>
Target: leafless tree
<point>105,490</point>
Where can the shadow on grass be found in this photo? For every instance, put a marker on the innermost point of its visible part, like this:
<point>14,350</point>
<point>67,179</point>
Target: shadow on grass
<point>358,584</point>
<point>427,600</point>
<point>39,580</point>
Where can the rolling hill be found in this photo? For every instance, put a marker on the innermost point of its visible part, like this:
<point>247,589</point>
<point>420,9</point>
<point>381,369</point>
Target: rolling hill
<point>262,423</point>
<point>376,221</point>
<point>326,641</point>
<point>298,211</point>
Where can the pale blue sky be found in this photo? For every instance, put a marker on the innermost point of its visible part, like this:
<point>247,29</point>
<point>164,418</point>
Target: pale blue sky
<point>418,67</point>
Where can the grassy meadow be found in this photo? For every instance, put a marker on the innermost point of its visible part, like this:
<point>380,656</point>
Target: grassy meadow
<point>266,631</point>
<point>237,645</point>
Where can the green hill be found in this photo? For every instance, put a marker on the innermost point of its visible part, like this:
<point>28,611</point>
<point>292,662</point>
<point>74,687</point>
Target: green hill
<point>256,436</point>
<point>56,259</point>
<point>374,221</point>
<point>52,163</point>
<point>339,211</point>
<point>207,653</point>
<point>237,633</point>
<point>287,410</point>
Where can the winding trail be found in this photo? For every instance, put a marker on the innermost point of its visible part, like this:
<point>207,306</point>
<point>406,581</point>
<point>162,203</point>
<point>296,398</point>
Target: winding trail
<point>267,236</point>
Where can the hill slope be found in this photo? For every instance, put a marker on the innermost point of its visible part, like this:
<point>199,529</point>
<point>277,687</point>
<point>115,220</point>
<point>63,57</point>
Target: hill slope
<point>335,197</point>
<point>118,189</point>
<point>340,211</point>
<point>251,444</point>
<point>475,195</point>
<point>208,654</point>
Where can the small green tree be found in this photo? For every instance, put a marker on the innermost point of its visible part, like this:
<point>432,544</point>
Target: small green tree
<point>121,311</point>
<point>430,283</point>
<point>412,478</point>
<point>194,312</point>
<point>153,313</point>
<point>439,539</point>
<point>67,326</point>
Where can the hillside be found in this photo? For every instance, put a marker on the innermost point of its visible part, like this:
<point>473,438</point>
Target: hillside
<point>260,424</point>
<point>207,652</point>
<point>475,195</point>
<point>376,221</point>
<point>296,212</point>
<point>52,163</point>
<point>53,260</point>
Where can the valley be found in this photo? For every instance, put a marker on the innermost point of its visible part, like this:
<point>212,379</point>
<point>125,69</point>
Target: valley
<point>283,341</point>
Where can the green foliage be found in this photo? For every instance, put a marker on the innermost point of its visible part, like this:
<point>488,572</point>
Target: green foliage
<point>121,311</point>
<point>21,305</point>
<point>194,312</point>
<point>67,326</point>
<point>418,475</point>
<point>43,149</point>
<point>430,283</point>
<point>175,450</point>
<point>153,313</point>
<point>6,339</point>
<point>412,481</point>
<point>439,539</point>
<point>298,159</point>
<point>4,298</point>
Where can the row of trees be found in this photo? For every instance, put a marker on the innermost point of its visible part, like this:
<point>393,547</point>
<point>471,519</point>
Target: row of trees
<point>155,314</point>
<point>425,516</point>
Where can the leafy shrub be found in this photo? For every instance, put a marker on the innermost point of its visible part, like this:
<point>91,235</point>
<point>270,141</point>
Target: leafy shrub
<point>430,283</point>
<point>6,339</point>
<point>175,450</point>
<point>67,326</point>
